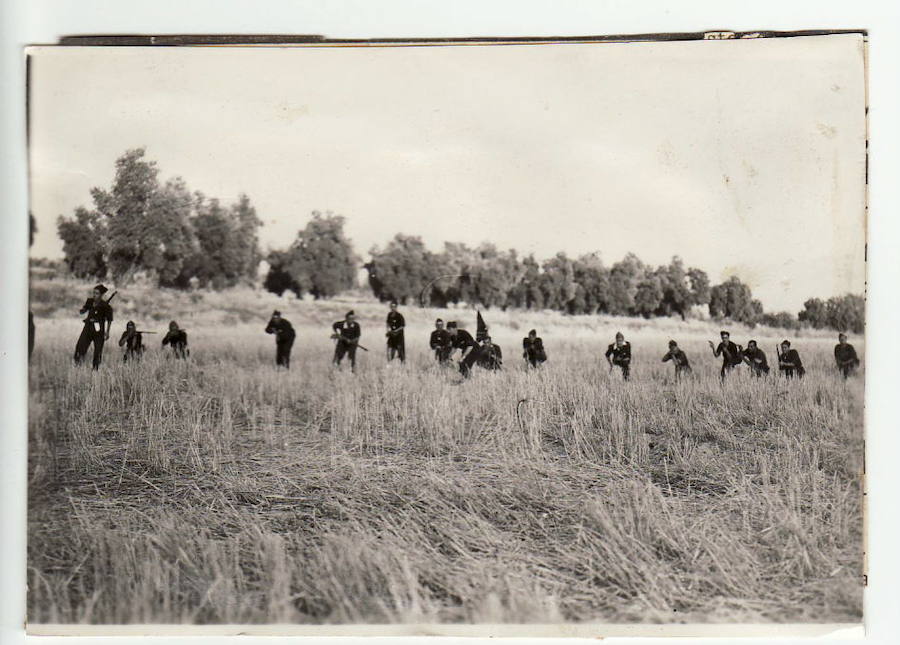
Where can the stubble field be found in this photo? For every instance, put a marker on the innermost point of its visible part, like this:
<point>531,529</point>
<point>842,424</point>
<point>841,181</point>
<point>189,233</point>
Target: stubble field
<point>222,490</point>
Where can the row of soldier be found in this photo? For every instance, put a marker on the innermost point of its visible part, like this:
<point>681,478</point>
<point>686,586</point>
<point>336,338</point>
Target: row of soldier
<point>444,341</point>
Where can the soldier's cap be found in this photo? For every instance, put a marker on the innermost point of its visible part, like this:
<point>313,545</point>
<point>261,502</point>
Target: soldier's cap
<point>672,343</point>
<point>173,325</point>
<point>533,332</point>
<point>620,335</point>
<point>452,323</point>
<point>751,342</point>
<point>438,320</point>
<point>393,303</point>
<point>101,289</point>
<point>786,342</point>
<point>349,313</point>
<point>724,333</point>
<point>276,313</point>
<point>130,323</point>
<point>842,335</point>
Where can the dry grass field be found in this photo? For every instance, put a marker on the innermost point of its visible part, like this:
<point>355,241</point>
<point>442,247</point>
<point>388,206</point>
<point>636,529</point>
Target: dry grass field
<point>224,491</point>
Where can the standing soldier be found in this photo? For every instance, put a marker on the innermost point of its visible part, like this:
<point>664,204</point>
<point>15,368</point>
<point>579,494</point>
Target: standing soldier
<point>619,354</point>
<point>440,342</point>
<point>732,355</point>
<point>756,359</point>
<point>347,333</point>
<point>845,356</point>
<point>176,338</point>
<point>678,358</point>
<point>789,361</point>
<point>284,339</point>
<point>396,343</point>
<point>133,341</point>
<point>533,349</point>
<point>96,326</point>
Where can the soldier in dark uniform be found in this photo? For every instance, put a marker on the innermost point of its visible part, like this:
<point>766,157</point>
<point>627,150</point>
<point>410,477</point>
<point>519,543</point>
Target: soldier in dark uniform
<point>619,354</point>
<point>133,341</point>
<point>284,339</point>
<point>396,343</point>
<point>347,333</point>
<point>678,358</point>
<point>176,338</point>
<point>731,353</point>
<point>96,326</point>
<point>756,359</point>
<point>440,342</point>
<point>845,356</point>
<point>533,349</point>
<point>789,361</point>
<point>460,339</point>
<point>487,355</point>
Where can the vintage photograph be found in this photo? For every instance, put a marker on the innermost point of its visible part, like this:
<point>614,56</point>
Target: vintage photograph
<point>519,332</point>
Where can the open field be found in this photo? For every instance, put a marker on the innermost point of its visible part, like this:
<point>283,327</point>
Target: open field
<point>222,490</point>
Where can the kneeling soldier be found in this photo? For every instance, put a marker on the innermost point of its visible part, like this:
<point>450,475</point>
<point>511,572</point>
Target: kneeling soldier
<point>619,354</point>
<point>133,342</point>
<point>533,349</point>
<point>756,359</point>
<point>845,356</point>
<point>678,358</point>
<point>176,338</point>
<point>284,338</point>
<point>789,361</point>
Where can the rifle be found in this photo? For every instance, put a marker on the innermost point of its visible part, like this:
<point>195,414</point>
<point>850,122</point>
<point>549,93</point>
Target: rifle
<point>349,342</point>
<point>141,331</point>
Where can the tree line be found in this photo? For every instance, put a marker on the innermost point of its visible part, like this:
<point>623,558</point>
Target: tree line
<point>162,229</point>
<point>185,239</point>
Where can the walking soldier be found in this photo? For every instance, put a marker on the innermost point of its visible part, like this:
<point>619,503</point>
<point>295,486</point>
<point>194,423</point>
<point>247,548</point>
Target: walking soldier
<point>96,325</point>
<point>619,354</point>
<point>533,349</point>
<point>133,341</point>
<point>284,339</point>
<point>396,343</point>
<point>347,333</point>
<point>789,361</point>
<point>732,354</point>
<point>176,338</point>
<point>440,342</point>
<point>845,356</point>
<point>756,359</point>
<point>678,358</point>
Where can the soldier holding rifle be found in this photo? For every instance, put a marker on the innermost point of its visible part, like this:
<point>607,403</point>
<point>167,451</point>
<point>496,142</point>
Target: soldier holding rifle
<point>789,360</point>
<point>396,343</point>
<point>133,341</point>
<point>440,342</point>
<point>731,354</point>
<point>96,325</point>
<point>346,333</point>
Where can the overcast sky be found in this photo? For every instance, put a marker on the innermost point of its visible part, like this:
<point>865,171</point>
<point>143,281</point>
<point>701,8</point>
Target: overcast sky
<point>744,157</point>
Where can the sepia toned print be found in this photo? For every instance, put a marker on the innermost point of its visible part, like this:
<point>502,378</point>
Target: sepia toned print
<point>530,333</point>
